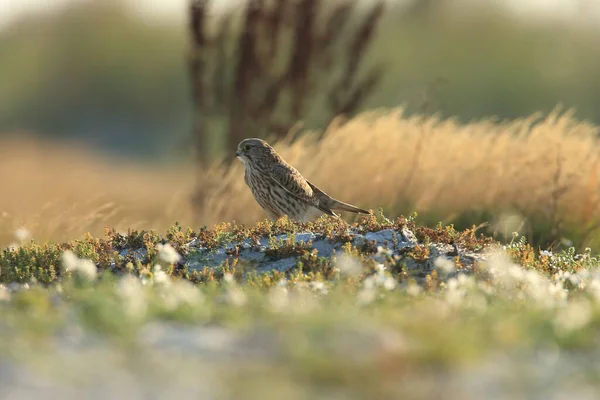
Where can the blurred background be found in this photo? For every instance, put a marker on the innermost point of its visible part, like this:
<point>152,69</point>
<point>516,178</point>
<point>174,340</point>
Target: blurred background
<point>114,74</point>
<point>122,98</point>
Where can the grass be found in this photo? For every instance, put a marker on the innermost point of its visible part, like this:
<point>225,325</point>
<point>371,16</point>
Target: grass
<point>522,322</point>
<point>538,176</point>
<point>357,333</point>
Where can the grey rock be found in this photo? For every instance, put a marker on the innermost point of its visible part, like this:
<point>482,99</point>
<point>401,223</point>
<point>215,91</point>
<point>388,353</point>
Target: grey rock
<point>253,253</point>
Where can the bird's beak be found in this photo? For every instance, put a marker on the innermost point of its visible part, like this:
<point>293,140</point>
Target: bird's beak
<point>237,154</point>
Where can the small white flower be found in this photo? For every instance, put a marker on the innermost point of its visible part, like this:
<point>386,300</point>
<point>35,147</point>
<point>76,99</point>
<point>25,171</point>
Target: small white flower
<point>594,289</point>
<point>84,267</point>
<point>389,283</point>
<point>278,298</point>
<point>515,272</point>
<point>557,291</point>
<point>130,289</point>
<point>282,283</point>
<point>348,265</point>
<point>413,289</point>
<point>369,283</point>
<point>22,234</point>
<point>465,281</point>
<point>384,251</point>
<point>167,253</point>
<point>187,293</point>
<point>444,265</point>
<point>179,293</point>
<point>159,276</point>
<point>319,286</point>
<point>454,297</point>
<point>87,269</point>
<point>366,296</point>
<point>69,260</point>
<point>228,278</point>
<point>452,284</point>
<point>574,316</point>
<point>546,253</point>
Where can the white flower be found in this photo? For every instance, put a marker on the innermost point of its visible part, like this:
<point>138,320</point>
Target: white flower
<point>465,281</point>
<point>159,276</point>
<point>130,289</point>
<point>179,293</point>
<point>515,272</point>
<point>69,260</point>
<point>22,234</point>
<point>369,283</point>
<point>389,283</point>
<point>413,289</point>
<point>167,253</point>
<point>282,283</point>
<point>366,296</point>
<point>455,291</point>
<point>574,316</point>
<point>348,265</point>
<point>594,289</point>
<point>384,251</point>
<point>228,278</point>
<point>444,265</point>
<point>87,269</point>
<point>83,267</point>
<point>187,293</point>
<point>278,298</point>
<point>319,286</point>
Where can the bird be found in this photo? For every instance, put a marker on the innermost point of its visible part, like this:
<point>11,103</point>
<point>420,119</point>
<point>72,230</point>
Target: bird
<point>280,189</point>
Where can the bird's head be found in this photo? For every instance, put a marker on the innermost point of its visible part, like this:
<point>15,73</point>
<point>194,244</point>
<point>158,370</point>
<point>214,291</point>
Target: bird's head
<point>253,150</point>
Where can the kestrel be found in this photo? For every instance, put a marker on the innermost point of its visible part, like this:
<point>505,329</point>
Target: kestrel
<point>280,189</point>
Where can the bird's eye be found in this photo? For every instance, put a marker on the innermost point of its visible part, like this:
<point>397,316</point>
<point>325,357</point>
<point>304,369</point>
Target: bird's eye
<point>247,147</point>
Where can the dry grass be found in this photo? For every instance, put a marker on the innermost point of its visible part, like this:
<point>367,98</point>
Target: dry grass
<point>535,166</point>
<point>59,192</point>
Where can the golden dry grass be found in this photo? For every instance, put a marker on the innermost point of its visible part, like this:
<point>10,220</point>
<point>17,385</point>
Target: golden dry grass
<point>535,166</point>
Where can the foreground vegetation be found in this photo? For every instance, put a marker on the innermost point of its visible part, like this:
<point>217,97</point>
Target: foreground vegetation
<point>516,321</point>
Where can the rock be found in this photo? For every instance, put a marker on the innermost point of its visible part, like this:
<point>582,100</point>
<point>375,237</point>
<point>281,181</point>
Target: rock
<point>271,254</point>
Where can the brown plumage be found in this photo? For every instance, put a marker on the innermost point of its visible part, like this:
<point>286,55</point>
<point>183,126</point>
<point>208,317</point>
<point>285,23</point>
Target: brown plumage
<point>280,189</point>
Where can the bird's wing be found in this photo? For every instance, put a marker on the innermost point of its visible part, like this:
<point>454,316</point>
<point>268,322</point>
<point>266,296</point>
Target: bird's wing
<point>294,183</point>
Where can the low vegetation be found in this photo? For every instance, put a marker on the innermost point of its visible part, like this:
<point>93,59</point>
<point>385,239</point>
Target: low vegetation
<point>125,307</point>
<point>537,176</point>
<point>350,326</point>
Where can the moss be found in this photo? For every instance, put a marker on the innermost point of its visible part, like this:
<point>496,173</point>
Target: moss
<point>284,248</point>
<point>466,239</point>
<point>41,262</point>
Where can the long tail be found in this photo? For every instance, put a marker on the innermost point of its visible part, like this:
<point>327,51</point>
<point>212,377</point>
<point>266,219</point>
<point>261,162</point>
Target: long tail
<point>328,203</point>
<point>339,205</point>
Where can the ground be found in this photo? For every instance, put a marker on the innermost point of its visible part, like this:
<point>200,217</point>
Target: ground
<point>377,308</point>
